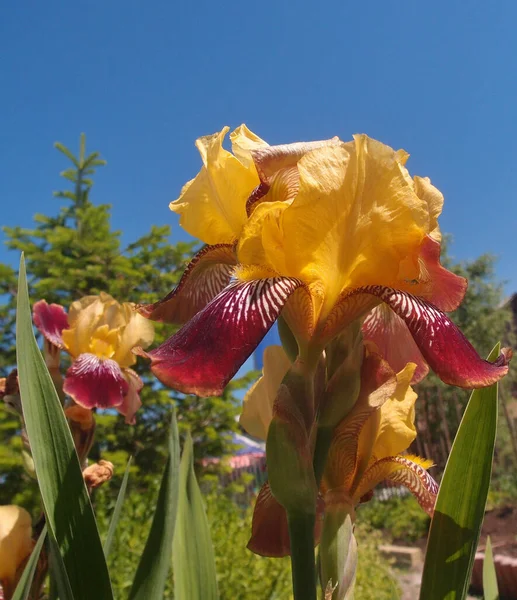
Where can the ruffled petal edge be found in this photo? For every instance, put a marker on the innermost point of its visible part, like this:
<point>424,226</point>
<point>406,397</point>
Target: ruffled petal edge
<point>50,319</point>
<point>205,354</point>
<point>207,274</point>
<point>95,382</point>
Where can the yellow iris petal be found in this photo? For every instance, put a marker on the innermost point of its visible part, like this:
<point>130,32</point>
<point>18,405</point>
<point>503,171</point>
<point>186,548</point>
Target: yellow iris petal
<point>84,316</point>
<point>355,219</point>
<point>100,325</point>
<point>257,410</point>
<point>434,199</point>
<point>137,332</point>
<point>243,142</point>
<point>213,205</point>
<point>15,542</point>
<point>103,342</point>
<point>396,428</point>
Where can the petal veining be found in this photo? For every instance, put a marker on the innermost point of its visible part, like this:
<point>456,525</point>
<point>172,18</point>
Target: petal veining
<point>95,382</point>
<point>409,471</point>
<point>50,319</point>
<point>207,274</point>
<point>206,353</point>
<point>444,347</point>
<point>394,341</point>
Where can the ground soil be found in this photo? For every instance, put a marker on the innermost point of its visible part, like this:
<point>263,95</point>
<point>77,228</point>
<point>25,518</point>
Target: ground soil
<point>501,525</point>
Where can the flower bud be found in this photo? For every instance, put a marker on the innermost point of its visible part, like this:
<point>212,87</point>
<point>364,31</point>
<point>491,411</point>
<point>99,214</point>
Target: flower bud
<point>338,547</point>
<point>289,449</point>
<point>82,427</point>
<point>96,474</point>
<point>344,360</point>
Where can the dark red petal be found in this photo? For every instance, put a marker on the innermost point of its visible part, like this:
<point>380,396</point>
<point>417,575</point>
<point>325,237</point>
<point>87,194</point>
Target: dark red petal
<point>93,381</point>
<point>50,319</point>
<point>269,530</point>
<point>447,351</point>
<point>393,340</point>
<point>205,354</point>
<point>436,284</point>
<point>256,196</point>
<point>207,274</point>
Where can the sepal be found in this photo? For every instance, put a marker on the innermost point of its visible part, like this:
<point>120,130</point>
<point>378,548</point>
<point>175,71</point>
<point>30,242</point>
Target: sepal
<point>205,354</point>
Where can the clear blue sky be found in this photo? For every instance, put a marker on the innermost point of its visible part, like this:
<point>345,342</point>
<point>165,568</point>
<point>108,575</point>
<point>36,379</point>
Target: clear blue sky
<point>143,80</point>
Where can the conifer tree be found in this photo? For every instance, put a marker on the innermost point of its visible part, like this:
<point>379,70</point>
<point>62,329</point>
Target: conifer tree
<point>76,253</point>
<point>485,319</point>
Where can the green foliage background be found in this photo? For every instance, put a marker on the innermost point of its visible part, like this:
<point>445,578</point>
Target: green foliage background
<point>76,253</point>
<point>485,318</point>
<point>241,574</point>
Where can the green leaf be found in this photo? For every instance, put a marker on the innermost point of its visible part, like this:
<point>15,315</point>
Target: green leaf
<point>67,194</point>
<point>116,511</point>
<point>338,554</point>
<point>66,152</point>
<point>68,511</point>
<point>23,588</point>
<point>193,554</point>
<point>490,589</point>
<point>153,568</point>
<point>460,506</point>
<point>59,581</point>
<point>70,174</point>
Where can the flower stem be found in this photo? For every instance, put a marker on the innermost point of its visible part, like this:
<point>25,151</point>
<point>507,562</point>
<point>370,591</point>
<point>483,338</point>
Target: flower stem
<point>301,534</point>
<point>323,440</point>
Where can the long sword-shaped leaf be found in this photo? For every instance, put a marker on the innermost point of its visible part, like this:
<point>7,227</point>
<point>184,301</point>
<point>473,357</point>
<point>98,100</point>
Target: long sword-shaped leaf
<point>153,569</point>
<point>490,589</point>
<point>68,511</point>
<point>59,581</point>
<point>116,511</point>
<point>23,588</point>
<point>193,554</point>
<point>460,506</point>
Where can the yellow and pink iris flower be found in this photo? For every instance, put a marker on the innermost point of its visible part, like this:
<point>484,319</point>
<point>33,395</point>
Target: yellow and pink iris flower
<point>368,445</point>
<point>15,544</point>
<point>325,232</point>
<point>99,335</point>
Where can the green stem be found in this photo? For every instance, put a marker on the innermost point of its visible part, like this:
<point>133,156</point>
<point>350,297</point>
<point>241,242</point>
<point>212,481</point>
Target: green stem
<point>301,535</point>
<point>321,450</point>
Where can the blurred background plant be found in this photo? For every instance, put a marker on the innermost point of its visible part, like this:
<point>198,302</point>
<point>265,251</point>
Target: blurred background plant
<point>75,253</point>
<point>484,316</point>
<point>240,573</point>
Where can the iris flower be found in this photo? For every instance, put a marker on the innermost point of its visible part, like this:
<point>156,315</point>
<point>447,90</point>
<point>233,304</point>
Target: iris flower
<point>99,334</point>
<point>325,232</point>
<point>15,544</point>
<point>367,447</point>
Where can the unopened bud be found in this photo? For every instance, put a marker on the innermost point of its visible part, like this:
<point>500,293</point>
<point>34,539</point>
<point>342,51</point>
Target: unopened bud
<point>10,392</point>
<point>28,464</point>
<point>338,547</point>
<point>96,474</point>
<point>344,360</point>
<point>289,448</point>
<point>82,427</point>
